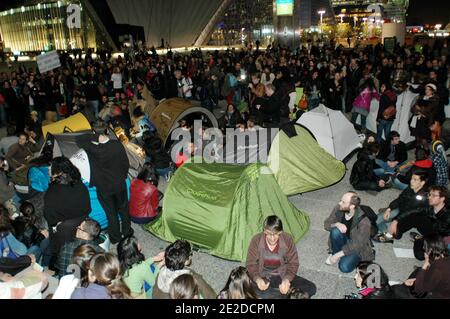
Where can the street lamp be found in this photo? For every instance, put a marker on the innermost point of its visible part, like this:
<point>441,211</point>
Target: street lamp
<point>321,12</point>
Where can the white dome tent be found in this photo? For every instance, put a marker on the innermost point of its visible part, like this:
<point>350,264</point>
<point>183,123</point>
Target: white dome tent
<point>332,130</point>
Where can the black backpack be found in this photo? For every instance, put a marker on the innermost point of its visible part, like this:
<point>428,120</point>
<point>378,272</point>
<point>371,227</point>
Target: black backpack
<point>369,213</point>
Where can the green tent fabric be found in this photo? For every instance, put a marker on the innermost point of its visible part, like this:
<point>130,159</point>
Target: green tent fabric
<point>220,207</point>
<point>300,165</point>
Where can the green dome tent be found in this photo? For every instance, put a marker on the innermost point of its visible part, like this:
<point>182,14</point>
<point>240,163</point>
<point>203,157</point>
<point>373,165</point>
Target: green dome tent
<point>220,207</point>
<point>300,165</point>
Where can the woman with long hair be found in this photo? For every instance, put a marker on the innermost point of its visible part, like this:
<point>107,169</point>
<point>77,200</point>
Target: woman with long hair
<point>138,273</point>
<point>105,280</point>
<point>144,196</point>
<point>238,286</point>
<point>66,204</point>
<point>184,287</point>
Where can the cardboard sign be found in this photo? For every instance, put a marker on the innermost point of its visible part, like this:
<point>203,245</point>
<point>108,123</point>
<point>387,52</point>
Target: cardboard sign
<point>48,61</point>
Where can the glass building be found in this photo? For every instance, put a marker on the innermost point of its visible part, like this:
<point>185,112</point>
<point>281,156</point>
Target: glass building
<point>43,26</point>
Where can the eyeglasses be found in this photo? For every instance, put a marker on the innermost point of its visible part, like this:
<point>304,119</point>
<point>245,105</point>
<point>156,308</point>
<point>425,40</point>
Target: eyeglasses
<point>434,195</point>
<point>81,229</point>
<point>272,234</point>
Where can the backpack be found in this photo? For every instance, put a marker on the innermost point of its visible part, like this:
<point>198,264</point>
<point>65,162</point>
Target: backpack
<point>372,216</point>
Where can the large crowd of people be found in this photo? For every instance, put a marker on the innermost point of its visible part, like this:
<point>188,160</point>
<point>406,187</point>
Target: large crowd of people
<point>46,233</point>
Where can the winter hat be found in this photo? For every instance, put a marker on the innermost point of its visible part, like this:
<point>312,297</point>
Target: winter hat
<point>432,86</point>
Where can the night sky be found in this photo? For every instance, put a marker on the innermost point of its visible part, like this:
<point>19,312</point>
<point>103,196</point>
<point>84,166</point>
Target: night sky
<point>420,11</point>
<point>428,11</point>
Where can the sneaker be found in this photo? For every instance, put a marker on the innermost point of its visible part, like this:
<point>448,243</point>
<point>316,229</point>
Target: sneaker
<point>415,236</point>
<point>385,238</point>
<point>328,261</point>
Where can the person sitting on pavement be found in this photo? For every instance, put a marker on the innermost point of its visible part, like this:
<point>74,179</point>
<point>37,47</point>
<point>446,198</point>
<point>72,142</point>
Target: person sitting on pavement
<point>440,163</point>
<point>79,263</point>
<point>392,154</point>
<point>433,220</point>
<point>350,232</point>
<point>144,197</point>
<point>184,287</point>
<point>371,287</point>
<point>87,233</point>
<point>432,280</point>
<point>20,153</point>
<point>139,273</point>
<point>272,262</point>
<point>362,176</point>
<point>105,280</point>
<point>411,200</point>
<point>177,259</point>
<point>238,286</point>
<point>423,162</point>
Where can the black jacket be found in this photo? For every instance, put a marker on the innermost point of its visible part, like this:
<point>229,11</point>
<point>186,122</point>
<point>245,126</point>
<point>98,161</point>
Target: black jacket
<point>409,202</point>
<point>65,202</point>
<point>362,170</point>
<point>401,154</point>
<point>440,221</point>
<point>109,164</point>
<point>27,234</point>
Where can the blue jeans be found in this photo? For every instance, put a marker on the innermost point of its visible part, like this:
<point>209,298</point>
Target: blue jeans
<point>163,172</point>
<point>38,250</point>
<point>384,126</point>
<point>384,224</point>
<point>93,105</point>
<point>399,185</point>
<point>384,169</point>
<point>363,119</point>
<point>338,240</point>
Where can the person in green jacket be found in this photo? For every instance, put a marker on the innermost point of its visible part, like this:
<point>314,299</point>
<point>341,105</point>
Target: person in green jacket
<point>139,273</point>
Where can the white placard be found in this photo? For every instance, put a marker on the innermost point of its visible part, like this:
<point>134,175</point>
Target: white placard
<point>48,61</point>
<point>404,253</point>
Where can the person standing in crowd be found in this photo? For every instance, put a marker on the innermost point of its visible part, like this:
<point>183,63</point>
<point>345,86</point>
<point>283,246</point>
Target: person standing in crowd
<point>386,112</point>
<point>350,233</point>
<point>272,262</point>
<point>109,171</point>
<point>362,103</point>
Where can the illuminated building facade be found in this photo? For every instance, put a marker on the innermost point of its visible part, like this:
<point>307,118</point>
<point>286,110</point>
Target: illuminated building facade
<point>42,26</point>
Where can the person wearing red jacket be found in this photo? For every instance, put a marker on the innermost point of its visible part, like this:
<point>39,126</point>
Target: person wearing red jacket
<point>144,197</point>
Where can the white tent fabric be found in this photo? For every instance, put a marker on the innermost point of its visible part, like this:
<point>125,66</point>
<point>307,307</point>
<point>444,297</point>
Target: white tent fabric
<point>332,130</point>
<point>179,22</point>
<point>405,101</point>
